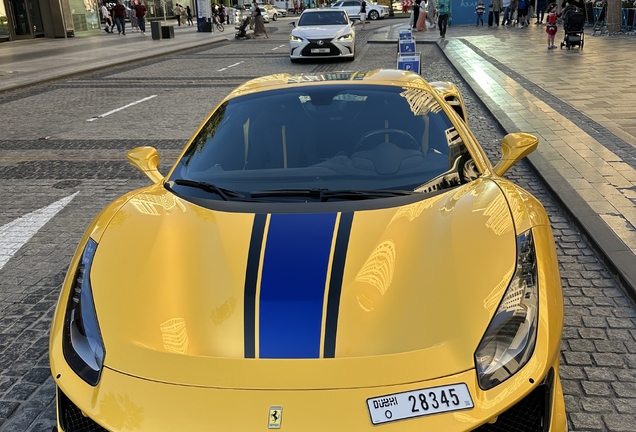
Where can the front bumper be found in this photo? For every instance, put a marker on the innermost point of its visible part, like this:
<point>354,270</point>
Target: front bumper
<point>121,402</point>
<point>303,49</point>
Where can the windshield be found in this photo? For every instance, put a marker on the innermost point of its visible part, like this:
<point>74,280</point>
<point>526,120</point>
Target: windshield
<point>335,137</point>
<point>323,18</point>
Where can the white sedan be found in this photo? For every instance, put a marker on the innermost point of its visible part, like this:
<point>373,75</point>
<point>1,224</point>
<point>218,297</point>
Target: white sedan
<point>322,33</point>
<point>352,7</point>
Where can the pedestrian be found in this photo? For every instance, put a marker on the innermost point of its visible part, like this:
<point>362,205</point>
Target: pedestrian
<point>514,4</point>
<point>480,9</point>
<point>140,10</point>
<point>108,22</point>
<point>551,25</point>
<point>119,13</point>
<point>189,15</point>
<point>421,19</point>
<point>431,13</point>
<point>493,12</point>
<point>522,14</point>
<point>506,12</point>
<point>132,15</point>
<point>296,7</point>
<point>405,6</point>
<point>259,24</point>
<point>177,13</point>
<point>363,14</point>
<point>221,13</point>
<point>416,13</point>
<point>541,6</point>
<point>442,21</point>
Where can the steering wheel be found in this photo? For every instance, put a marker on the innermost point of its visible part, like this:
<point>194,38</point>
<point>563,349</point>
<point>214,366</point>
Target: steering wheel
<point>363,142</point>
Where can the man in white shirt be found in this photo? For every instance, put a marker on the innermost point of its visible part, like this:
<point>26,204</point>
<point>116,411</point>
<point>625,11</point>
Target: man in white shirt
<point>506,12</point>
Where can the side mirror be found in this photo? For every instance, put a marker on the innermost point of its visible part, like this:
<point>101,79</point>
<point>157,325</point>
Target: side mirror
<point>146,160</point>
<point>514,147</point>
<point>292,24</point>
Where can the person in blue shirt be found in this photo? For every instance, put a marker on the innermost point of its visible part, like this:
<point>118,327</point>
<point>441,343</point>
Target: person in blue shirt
<point>442,21</point>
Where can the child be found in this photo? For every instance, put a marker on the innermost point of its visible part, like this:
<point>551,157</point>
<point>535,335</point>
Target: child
<point>551,26</point>
<point>479,11</point>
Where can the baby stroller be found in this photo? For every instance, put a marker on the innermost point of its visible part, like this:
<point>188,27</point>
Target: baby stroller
<point>242,33</point>
<point>573,23</point>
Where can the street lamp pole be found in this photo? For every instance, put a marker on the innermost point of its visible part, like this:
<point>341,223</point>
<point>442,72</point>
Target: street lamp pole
<point>163,2</point>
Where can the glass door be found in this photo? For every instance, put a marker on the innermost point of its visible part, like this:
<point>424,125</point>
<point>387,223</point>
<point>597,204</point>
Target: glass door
<point>36,17</point>
<point>21,23</point>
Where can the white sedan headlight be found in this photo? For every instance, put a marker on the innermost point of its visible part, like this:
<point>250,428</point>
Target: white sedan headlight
<point>348,36</point>
<point>295,38</point>
<point>512,333</point>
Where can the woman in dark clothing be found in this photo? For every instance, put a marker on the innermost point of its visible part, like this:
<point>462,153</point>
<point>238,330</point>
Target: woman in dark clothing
<point>416,13</point>
<point>189,15</point>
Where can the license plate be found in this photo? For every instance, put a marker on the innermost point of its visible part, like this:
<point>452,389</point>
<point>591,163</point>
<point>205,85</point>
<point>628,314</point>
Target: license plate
<point>319,50</point>
<point>418,403</point>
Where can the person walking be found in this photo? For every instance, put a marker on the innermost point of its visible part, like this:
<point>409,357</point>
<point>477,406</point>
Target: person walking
<point>522,14</point>
<point>480,9</point>
<point>431,13</point>
<point>177,13</point>
<point>119,13</point>
<point>541,7</point>
<point>493,15</point>
<point>363,14</point>
<point>259,24</point>
<point>189,15</point>
<point>140,10</point>
<point>506,13</point>
<point>442,21</point>
<point>132,16</point>
<point>405,6</point>
<point>108,22</point>
<point>416,13</point>
<point>296,7</point>
<point>421,19</point>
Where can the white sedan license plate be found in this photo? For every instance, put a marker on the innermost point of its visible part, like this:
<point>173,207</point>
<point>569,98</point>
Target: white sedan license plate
<point>319,50</point>
<point>417,403</point>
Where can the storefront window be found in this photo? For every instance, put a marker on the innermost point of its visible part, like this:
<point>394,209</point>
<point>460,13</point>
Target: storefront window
<point>85,16</point>
<point>4,23</point>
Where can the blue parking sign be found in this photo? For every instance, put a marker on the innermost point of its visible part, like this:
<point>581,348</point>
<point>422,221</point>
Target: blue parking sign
<point>407,47</point>
<point>409,62</point>
<point>406,34</point>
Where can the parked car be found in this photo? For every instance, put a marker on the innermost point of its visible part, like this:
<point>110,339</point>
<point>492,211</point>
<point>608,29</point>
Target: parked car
<point>322,33</point>
<point>352,7</point>
<point>273,12</point>
<point>330,252</point>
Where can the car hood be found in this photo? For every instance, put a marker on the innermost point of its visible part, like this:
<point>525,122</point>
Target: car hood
<point>322,32</point>
<point>187,295</point>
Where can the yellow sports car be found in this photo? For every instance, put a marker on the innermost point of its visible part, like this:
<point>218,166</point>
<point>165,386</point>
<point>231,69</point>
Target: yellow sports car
<point>330,252</point>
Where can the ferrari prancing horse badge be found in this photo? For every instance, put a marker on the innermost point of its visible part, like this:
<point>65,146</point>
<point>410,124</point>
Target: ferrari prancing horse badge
<point>275,417</point>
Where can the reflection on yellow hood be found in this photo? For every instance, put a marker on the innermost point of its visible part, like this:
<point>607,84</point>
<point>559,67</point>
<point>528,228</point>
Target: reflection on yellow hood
<point>170,279</point>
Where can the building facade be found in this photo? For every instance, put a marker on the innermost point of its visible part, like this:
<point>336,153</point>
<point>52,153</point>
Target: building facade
<point>28,19</point>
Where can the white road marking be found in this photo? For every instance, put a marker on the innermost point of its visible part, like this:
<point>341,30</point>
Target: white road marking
<point>274,49</point>
<point>235,64</point>
<point>17,233</point>
<point>120,108</point>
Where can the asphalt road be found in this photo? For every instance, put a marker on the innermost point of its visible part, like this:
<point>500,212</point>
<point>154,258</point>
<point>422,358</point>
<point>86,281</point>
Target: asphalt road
<point>55,149</point>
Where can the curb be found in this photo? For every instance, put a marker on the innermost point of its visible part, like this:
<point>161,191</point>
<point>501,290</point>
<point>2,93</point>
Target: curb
<point>609,248</point>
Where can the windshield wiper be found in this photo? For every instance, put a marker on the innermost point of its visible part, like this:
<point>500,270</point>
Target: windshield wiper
<point>226,194</point>
<point>326,194</point>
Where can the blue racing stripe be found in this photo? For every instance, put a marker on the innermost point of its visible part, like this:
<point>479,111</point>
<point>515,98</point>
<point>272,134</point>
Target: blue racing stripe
<point>293,284</point>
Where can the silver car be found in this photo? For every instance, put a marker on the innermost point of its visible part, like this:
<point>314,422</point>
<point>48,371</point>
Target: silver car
<point>322,33</point>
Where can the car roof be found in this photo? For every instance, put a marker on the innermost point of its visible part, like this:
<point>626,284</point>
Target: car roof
<point>390,77</point>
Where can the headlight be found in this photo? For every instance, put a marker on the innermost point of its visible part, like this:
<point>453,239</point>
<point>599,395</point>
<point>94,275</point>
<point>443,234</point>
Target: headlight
<point>82,342</point>
<point>346,37</point>
<point>295,38</point>
<point>510,338</point>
